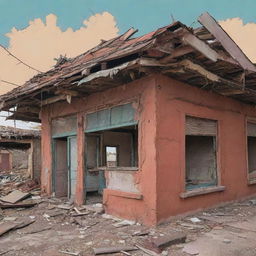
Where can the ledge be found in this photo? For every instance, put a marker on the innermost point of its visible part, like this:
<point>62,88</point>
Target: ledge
<point>120,193</point>
<point>202,191</point>
<point>116,169</point>
<point>251,182</point>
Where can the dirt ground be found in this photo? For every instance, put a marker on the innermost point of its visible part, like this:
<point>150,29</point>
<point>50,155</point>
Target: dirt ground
<point>228,230</point>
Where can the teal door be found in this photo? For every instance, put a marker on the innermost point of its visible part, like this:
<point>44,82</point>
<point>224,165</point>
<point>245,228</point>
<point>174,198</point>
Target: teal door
<point>72,165</point>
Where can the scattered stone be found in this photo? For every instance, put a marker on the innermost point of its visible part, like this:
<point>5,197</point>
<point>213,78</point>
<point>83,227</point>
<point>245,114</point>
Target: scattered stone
<point>70,253</point>
<point>97,208</point>
<point>124,223</point>
<point>110,217</point>
<point>64,206</point>
<point>226,241</point>
<point>252,201</point>
<point>190,251</point>
<point>36,197</point>
<point>195,220</point>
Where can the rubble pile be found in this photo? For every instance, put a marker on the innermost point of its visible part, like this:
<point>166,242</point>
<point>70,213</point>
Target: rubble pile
<point>10,182</point>
<point>87,230</point>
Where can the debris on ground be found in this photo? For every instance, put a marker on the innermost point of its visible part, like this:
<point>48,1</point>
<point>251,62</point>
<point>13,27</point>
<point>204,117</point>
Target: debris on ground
<point>14,197</point>
<point>108,250</point>
<point>78,230</point>
<point>10,182</point>
<point>165,241</point>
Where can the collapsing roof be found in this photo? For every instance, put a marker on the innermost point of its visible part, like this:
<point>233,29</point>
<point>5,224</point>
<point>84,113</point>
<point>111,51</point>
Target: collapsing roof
<point>205,57</point>
<point>7,132</point>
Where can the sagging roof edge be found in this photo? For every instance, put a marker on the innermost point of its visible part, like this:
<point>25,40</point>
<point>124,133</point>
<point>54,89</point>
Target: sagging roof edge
<point>104,62</point>
<point>8,132</point>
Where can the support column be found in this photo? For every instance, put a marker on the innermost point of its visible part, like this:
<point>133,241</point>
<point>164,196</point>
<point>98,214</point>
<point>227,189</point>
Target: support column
<point>46,153</point>
<point>80,181</point>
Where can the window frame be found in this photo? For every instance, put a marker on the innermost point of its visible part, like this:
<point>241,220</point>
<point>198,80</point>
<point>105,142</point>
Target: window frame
<point>211,189</point>
<point>253,121</point>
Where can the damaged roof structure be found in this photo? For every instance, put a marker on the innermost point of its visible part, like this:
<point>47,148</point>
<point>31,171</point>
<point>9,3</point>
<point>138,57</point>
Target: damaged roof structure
<point>8,132</point>
<point>147,123</point>
<point>205,57</point>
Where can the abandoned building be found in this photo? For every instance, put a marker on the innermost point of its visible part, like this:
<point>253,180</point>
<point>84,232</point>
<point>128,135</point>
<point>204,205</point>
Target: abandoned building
<point>20,152</point>
<point>158,125</point>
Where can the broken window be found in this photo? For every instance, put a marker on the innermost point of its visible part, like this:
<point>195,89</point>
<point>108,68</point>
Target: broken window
<point>251,150</point>
<point>121,147</point>
<point>118,130</point>
<point>200,143</point>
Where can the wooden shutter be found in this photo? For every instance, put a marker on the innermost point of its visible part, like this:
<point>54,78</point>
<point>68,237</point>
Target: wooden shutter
<point>200,126</point>
<point>251,129</point>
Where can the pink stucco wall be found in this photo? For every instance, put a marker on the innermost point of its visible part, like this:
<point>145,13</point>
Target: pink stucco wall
<point>175,100</point>
<point>161,104</point>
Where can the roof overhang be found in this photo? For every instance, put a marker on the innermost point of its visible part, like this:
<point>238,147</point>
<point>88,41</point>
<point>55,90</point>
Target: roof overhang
<point>205,57</point>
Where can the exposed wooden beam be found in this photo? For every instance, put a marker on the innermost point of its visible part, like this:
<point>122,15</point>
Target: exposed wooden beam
<point>67,92</point>
<point>231,92</point>
<point>128,34</point>
<point>53,99</point>
<point>229,45</point>
<point>189,65</point>
<point>200,46</point>
<point>180,51</point>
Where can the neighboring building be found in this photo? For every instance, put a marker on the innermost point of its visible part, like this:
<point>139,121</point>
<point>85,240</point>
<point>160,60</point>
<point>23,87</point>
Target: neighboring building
<point>163,124</point>
<point>20,152</point>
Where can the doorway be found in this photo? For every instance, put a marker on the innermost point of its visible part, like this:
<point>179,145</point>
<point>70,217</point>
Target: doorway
<point>94,178</point>
<point>65,166</point>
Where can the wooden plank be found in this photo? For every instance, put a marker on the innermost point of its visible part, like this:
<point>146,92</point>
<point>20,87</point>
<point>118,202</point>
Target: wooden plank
<point>14,197</point>
<point>189,65</point>
<point>17,205</point>
<point>200,126</point>
<point>165,241</point>
<point>107,250</point>
<point>229,45</point>
<point>6,227</point>
<point>231,92</point>
<point>53,99</point>
<point>128,34</point>
<point>67,92</point>
<point>200,46</point>
<point>180,51</point>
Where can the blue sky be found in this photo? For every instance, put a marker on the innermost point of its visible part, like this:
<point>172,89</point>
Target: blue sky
<point>145,15</point>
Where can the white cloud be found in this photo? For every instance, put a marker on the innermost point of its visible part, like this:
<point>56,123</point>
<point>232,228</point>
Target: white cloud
<point>243,34</point>
<point>39,43</point>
